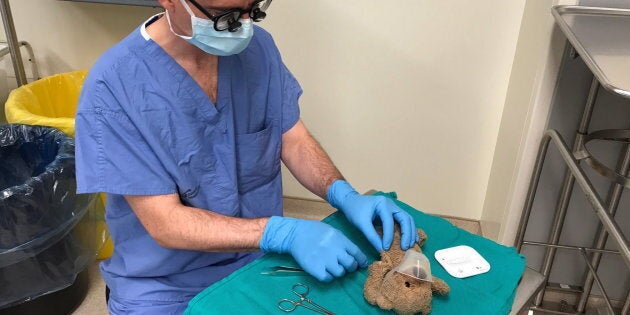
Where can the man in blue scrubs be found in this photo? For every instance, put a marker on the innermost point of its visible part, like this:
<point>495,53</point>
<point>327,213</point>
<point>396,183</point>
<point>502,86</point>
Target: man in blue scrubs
<point>183,124</point>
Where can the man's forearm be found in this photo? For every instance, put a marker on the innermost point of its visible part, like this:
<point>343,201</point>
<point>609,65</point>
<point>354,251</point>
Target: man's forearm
<point>307,161</point>
<point>208,231</point>
<point>177,226</point>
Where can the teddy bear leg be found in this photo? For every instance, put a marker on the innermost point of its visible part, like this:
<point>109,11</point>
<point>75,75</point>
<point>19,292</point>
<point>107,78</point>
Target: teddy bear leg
<point>426,308</point>
<point>384,303</point>
<point>440,287</point>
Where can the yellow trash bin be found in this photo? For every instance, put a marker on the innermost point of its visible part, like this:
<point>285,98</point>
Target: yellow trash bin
<point>52,101</point>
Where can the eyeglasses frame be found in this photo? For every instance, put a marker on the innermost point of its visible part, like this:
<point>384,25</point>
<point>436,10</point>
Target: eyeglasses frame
<point>215,18</point>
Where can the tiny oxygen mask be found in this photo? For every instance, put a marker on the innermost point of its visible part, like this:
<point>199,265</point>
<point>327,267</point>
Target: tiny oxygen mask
<point>415,265</point>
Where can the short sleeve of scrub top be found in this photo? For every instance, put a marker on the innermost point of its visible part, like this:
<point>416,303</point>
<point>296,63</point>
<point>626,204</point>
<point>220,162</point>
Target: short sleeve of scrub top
<point>145,127</point>
<point>112,155</point>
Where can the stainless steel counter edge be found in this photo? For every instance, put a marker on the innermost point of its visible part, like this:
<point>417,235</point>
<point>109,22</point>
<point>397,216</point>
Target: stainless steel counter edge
<point>560,10</point>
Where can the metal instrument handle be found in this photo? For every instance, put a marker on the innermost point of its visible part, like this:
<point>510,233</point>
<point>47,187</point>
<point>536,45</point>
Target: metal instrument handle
<point>292,308</point>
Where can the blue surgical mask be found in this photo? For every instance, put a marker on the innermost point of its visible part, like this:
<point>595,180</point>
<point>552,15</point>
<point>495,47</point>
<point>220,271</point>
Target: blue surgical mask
<point>206,38</point>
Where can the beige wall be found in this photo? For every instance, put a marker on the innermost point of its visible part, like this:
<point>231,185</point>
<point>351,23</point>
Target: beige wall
<point>70,35</point>
<point>536,65</point>
<point>65,35</point>
<point>405,96</point>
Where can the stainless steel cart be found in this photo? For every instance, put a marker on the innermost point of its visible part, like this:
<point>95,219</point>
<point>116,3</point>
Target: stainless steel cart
<point>599,36</point>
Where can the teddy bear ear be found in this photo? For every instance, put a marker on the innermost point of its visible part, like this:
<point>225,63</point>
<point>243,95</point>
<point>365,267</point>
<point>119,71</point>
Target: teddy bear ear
<point>422,237</point>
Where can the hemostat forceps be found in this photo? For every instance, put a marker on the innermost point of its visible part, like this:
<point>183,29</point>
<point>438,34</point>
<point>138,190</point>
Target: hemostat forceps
<point>301,290</point>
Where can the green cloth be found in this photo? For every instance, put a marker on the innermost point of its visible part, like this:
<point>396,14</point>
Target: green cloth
<point>246,291</point>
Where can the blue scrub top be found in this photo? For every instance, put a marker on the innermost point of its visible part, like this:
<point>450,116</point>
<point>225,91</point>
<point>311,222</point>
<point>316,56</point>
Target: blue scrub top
<point>145,127</point>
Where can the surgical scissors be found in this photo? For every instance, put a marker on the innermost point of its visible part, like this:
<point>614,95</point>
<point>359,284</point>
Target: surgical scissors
<point>302,290</point>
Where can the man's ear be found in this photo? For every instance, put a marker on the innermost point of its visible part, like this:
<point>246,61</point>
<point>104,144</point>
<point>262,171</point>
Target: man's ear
<point>167,4</point>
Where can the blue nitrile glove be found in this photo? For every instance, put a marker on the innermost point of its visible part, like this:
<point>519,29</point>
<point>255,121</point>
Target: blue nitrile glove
<point>362,210</point>
<point>321,250</point>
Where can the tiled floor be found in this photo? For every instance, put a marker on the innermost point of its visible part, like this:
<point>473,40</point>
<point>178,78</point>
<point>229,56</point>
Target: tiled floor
<point>94,303</point>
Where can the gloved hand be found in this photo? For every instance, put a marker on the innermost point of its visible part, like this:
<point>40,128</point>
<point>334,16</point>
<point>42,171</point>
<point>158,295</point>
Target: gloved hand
<point>321,250</point>
<point>362,210</point>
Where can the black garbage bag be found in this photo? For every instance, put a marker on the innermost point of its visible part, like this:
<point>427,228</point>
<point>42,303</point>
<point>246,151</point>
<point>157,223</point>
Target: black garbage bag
<point>45,227</point>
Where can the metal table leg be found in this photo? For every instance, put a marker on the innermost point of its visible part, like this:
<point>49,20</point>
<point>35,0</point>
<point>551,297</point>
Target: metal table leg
<point>612,203</point>
<point>578,174</point>
<point>599,282</point>
<point>591,195</point>
<point>542,154</point>
<point>567,189</point>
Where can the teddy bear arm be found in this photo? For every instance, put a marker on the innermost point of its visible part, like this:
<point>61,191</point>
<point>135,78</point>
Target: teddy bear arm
<point>440,287</point>
<point>372,286</point>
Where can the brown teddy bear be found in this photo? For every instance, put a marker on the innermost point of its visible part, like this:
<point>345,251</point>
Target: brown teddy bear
<point>391,290</point>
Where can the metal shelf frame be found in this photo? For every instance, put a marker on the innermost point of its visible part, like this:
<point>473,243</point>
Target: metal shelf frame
<point>12,42</point>
<point>595,49</point>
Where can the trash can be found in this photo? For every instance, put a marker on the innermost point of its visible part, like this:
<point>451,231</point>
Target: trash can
<point>46,229</point>
<point>52,101</point>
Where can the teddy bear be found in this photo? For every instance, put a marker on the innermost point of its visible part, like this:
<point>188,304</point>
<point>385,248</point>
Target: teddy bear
<point>391,290</point>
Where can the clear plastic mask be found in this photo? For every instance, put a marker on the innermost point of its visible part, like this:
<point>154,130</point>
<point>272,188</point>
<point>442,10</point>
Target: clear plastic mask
<point>415,265</point>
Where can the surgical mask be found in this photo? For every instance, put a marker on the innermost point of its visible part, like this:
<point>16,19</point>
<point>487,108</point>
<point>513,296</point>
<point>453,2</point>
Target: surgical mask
<point>206,38</point>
